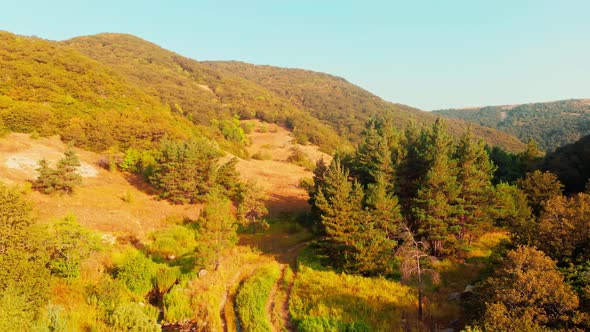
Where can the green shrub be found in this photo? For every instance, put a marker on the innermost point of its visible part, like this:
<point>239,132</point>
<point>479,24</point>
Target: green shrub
<point>136,271</point>
<point>166,277</point>
<point>70,245</point>
<point>173,242</point>
<point>177,305</point>
<point>130,317</point>
<point>252,297</point>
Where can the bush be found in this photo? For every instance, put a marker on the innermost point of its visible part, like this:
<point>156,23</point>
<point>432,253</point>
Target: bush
<point>252,297</point>
<point>137,272</point>
<point>177,305</point>
<point>70,245</point>
<point>130,317</point>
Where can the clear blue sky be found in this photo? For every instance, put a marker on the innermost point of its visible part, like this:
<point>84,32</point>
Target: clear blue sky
<point>428,54</point>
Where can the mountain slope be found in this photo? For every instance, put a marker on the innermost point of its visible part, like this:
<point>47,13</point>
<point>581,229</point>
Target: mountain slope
<point>203,94</point>
<point>51,89</point>
<point>551,124</point>
<point>342,105</point>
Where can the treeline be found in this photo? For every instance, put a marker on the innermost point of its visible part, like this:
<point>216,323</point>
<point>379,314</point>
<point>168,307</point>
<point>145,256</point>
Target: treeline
<point>403,199</point>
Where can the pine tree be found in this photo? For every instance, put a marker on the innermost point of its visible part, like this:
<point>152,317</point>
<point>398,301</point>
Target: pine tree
<point>438,189</point>
<point>384,207</point>
<point>66,171</point>
<point>63,179</point>
<point>373,157</point>
<point>339,201</point>
<point>474,176</point>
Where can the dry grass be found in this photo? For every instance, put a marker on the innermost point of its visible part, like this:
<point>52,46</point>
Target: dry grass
<point>278,178</point>
<point>100,202</point>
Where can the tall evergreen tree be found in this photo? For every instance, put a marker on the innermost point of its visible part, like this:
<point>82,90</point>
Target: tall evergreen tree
<point>339,202</point>
<point>373,157</point>
<point>438,189</point>
<point>539,186</point>
<point>474,176</point>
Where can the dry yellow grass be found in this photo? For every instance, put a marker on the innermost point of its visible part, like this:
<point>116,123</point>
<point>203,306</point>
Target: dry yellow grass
<point>98,203</point>
<point>278,178</point>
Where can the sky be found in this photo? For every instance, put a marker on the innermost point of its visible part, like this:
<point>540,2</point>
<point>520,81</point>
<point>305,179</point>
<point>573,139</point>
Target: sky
<point>427,54</point>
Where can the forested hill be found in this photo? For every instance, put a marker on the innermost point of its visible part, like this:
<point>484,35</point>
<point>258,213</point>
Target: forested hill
<point>117,90</point>
<point>342,105</point>
<point>204,95</point>
<point>551,124</point>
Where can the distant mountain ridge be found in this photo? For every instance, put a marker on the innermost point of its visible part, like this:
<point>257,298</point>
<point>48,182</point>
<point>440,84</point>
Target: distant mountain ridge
<point>551,124</point>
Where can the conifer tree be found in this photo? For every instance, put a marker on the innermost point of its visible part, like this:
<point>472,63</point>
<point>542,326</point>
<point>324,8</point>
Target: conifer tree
<point>339,201</point>
<point>373,157</point>
<point>63,179</point>
<point>474,176</point>
<point>438,189</point>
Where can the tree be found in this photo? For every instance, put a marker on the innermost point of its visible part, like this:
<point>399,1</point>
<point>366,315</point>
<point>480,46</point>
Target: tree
<point>509,208</point>
<point>70,244</point>
<point>531,156</point>
<point>251,209</point>
<point>438,189</point>
<point>185,170</point>
<point>539,186</point>
<point>527,290</point>
<point>63,179</point>
<point>24,278</point>
<point>373,157</point>
<point>416,263</point>
<point>216,228</point>
<point>474,176</point>
<point>339,201</point>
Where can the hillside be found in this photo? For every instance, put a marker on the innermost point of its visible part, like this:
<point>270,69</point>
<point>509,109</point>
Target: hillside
<point>342,105</point>
<point>551,124</point>
<point>200,93</point>
<point>51,89</point>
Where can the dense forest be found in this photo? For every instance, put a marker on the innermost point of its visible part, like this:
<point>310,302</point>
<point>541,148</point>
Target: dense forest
<point>412,222</point>
<point>552,124</point>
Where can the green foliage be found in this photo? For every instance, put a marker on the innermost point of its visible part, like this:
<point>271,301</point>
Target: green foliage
<point>173,242</point>
<point>298,157</point>
<point>216,229</point>
<point>329,301</point>
<point>539,186</point>
<point>63,179</point>
<point>252,297</point>
<point>185,170</point>
<point>53,89</point>
<point>251,211</point>
<point>177,305</point>
<point>131,317</point>
<point>24,277</point>
<point>70,244</point>
<point>552,124</point>
<point>136,271</point>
